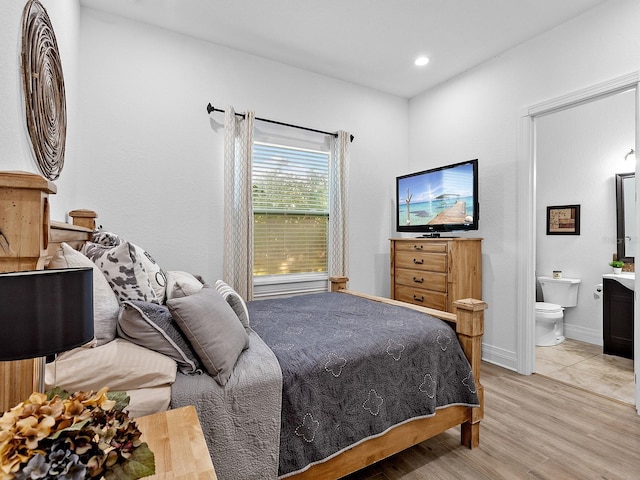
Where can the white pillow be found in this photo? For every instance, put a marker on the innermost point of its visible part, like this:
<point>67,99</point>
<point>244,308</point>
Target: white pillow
<point>181,284</point>
<point>105,303</point>
<point>119,365</point>
<point>124,269</point>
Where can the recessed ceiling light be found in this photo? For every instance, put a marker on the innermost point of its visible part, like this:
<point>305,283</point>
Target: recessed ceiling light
<point>421,61</point>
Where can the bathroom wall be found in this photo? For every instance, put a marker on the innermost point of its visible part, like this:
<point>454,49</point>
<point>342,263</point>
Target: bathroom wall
<point>579,151</point>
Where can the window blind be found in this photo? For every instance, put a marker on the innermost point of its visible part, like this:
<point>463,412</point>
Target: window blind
<point>290,209</point>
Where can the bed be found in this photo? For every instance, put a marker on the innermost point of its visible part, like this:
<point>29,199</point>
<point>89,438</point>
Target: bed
<point>245,418</point>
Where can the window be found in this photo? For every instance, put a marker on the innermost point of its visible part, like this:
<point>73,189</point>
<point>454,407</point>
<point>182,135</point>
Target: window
<point>291,219</point>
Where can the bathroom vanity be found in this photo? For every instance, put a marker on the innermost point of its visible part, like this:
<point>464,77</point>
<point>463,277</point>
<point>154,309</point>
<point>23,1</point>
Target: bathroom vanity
<point>618,314</point>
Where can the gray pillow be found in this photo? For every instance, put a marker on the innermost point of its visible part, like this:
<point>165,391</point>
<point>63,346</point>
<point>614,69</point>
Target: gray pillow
<point>213,329</point>
<point>151,325</point>
<point>236,302</point>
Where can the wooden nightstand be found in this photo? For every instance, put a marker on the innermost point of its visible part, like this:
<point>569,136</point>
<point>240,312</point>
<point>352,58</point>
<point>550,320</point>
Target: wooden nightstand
<point>177,442</point>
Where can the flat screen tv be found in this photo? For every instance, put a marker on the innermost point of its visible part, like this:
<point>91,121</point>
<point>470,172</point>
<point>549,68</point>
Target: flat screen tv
<point>443,199</point>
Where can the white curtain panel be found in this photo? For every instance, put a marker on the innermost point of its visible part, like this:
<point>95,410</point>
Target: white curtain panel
<point>339,203</point>
<point>238,210</point>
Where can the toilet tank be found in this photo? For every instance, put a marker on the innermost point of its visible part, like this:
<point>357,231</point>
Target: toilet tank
<point>561,291</point>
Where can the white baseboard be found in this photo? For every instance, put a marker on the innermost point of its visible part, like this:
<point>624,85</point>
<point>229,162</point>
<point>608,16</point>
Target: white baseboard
<point>500,357</point>
<point>582,334</point>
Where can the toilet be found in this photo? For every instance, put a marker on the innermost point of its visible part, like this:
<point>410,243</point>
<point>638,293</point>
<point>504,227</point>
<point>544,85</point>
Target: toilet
<point>557,294</point>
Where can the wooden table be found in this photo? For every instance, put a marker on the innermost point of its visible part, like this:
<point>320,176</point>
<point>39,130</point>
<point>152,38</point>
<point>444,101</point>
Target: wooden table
<point>176,440</point>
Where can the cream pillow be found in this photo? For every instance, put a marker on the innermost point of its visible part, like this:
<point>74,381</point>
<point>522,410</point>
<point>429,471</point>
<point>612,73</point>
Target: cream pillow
<point>181,284</point>
<point>119,365</point>
<point>145,401</point>
<point>105,303</point>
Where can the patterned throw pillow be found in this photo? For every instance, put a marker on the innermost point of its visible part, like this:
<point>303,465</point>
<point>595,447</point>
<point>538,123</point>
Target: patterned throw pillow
<point>157,277</point>
<point>107,239</point>
<point>124,269</point>
<point>236,302</point>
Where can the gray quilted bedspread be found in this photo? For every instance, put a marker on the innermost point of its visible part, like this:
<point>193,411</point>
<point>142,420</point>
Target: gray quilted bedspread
<point>353,368</point>
<point>240,421</point>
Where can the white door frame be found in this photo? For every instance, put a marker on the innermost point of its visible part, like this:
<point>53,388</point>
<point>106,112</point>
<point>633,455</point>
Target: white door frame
<point>526,233</point>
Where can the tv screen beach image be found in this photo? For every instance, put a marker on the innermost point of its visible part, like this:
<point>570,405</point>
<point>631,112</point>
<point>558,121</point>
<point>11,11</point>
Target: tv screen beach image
<point>437,198</point>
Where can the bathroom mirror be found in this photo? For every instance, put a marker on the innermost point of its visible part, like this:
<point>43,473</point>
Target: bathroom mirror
<point>625,212</point>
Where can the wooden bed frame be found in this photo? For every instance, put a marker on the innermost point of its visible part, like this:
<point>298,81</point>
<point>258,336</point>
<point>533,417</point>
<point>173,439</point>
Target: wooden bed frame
<point>468,322</point>
<point>33,221</point>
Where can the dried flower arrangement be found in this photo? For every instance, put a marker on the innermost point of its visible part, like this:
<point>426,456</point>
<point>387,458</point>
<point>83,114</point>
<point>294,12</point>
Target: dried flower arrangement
<point>72,437</point>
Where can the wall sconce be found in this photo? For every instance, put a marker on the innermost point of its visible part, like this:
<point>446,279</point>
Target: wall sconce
<point>44,312</point>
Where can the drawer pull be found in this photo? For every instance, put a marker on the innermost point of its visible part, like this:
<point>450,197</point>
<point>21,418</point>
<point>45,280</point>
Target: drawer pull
<point>418,262</point>
<point>418,280</point>
<point>418,299</point>
<point>418,247</point>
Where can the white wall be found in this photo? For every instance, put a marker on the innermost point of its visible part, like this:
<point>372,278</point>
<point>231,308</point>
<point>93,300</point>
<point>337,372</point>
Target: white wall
<point>476,116</point>
<point>579,151</point>
<point>151,157</point>
<point>16,152</point>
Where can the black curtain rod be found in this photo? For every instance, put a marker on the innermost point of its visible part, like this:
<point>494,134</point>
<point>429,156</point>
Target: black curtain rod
<point>211,108</point>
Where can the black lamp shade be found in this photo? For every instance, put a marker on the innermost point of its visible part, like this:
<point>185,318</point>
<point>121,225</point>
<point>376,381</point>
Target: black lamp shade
<point>44,312</point>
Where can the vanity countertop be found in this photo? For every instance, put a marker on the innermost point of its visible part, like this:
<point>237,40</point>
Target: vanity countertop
<point>628,279</point>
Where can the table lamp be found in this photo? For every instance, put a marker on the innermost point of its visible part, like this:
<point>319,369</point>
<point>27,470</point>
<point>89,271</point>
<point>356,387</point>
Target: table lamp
<point>44,312</point>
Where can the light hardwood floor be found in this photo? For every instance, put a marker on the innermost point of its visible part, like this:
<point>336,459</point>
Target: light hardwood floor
<point>584,364</point>
<point>534,428</point>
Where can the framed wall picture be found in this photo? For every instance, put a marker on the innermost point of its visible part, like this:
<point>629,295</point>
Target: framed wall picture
<point>563,220</point>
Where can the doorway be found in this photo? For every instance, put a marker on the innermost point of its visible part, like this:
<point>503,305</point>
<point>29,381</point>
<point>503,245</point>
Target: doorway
<point>531,233</point>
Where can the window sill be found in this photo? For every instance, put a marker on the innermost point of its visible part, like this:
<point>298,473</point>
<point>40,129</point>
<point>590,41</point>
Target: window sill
<point>269,286</point>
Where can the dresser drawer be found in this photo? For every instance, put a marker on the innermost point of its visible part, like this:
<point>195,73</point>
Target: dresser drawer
<point>418,246</point>
<point>417,296</point>
<point>422,279</point>
<point>432,262</point>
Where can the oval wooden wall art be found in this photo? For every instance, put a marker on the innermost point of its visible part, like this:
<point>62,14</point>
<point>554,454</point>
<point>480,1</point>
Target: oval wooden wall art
<point>43,84</point>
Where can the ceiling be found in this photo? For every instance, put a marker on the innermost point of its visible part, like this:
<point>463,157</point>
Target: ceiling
<point>367,42</point>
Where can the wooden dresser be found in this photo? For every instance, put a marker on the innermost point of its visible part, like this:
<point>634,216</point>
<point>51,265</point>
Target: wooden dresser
<point>435,272</point>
